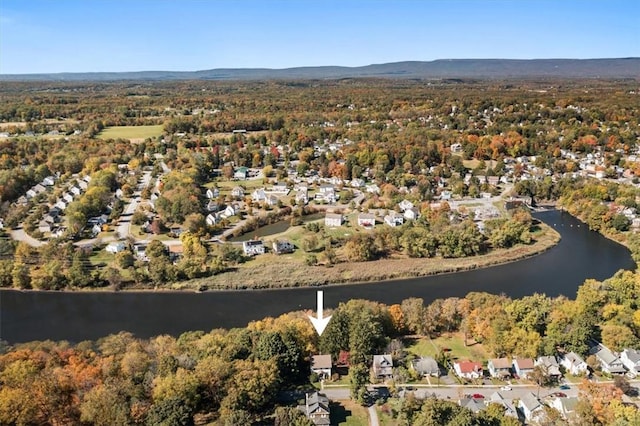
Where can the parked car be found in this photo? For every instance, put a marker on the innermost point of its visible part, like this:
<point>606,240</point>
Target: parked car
<point>478,396</point>
<point>560,394</point>
<point>564,387</point>
<point>506,388</point>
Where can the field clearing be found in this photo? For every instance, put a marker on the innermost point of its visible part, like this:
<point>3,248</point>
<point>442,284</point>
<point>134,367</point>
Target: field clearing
<point>131,132</point>
<point>453,341</point>
<point>349,413</point>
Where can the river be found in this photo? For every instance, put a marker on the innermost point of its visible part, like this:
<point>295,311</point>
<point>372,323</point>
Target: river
<point>34,315</point>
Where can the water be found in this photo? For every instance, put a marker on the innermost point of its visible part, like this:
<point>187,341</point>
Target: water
<point>26,316</point>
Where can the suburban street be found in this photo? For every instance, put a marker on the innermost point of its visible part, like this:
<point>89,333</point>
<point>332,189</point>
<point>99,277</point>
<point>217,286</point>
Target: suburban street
<point>124,222</point>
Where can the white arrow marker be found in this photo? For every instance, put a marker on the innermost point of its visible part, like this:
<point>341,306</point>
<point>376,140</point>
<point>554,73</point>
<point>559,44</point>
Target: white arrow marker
<point>319,323</point>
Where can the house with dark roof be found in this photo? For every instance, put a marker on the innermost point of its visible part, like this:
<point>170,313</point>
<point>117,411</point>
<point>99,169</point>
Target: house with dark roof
<point>253,247</point>
<point>426,366</point>
<point>631,359</point>
<point>382,366</point>
<point>316,408</point>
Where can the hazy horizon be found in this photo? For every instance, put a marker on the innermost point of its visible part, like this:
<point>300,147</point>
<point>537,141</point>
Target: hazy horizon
<point>43,37</point>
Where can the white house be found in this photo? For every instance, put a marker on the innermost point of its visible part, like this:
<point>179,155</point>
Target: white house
<point>631,359</point>
<point>115,247</point>
<point>321,365</point>
<point>212,219</point>
<point>523,366</point>
<point>212,193</point>
<point>468,369</point>
<point>550,365</point>
<point>75,190</point>
<point>609,362</point>
<point>411,214</point>
<point>509,409</point>
<point>574,364</point>
<point>367,220</point>
<point>237,192</point>
<point>531,407</point>
<point>49,181</point>
<point>564,405</point>
<point>405,205</point>
<point>499,367</point>
<point>253,247</point>
<point>230,210</point>
<point>332,220</point>
<point>394,219</point>
<point>259,195</point>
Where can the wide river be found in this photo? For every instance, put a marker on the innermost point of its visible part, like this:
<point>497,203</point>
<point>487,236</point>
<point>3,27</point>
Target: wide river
<point>34,315</point>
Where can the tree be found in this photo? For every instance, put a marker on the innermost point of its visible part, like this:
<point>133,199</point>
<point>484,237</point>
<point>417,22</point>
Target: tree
<point>105,405</point>
<point>358,381</point>
<point>290,416</point>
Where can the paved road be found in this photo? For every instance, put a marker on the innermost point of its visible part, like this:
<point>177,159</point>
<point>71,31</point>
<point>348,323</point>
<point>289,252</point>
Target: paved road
<point>124,222</point>
<point>18,234</point>
<point>373,416</point>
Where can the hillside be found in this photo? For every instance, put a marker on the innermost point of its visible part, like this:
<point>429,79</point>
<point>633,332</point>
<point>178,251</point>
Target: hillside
<point>443,68</point>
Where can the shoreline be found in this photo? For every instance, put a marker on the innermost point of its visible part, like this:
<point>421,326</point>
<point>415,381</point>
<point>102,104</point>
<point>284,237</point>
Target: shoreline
<point>286,274</point>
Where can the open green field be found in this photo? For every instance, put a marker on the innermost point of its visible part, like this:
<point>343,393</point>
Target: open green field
<point>454,342</point>
<point>130,132</point>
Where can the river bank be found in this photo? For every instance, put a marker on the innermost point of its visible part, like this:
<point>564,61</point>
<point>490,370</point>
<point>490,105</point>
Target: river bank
<point>281,272</point>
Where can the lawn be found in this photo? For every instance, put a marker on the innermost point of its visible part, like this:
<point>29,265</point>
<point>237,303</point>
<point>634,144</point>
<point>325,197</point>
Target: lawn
<point>130,132</point>
<point>453,341</point>
<point>349,413</point>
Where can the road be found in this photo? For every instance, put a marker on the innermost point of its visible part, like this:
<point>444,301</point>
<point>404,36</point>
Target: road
<point>124,222</point>
<point>18,234</point>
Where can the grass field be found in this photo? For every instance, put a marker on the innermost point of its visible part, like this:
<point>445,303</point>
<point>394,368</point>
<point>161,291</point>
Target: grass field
<point>453,341</point>
<point>349,413</point>
<point>130,132</point>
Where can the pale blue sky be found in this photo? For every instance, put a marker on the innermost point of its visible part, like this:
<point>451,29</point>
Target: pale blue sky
<point>189,35</point>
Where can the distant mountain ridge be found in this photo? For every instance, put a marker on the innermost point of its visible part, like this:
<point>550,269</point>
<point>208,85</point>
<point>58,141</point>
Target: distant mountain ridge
<point>438,69</point>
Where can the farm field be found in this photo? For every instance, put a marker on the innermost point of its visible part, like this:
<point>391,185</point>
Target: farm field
<point>130,132</point>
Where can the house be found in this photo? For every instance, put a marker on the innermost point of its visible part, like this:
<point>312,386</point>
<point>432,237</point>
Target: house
<point>230,210</point>
<point>95,230</point>
<point>302,195</point>
<point>609,362</point>
<point>35,190</point>
<point>75,190</point>
<point>316,408</point>
<point>332,220</point>
<point>116,247</point>
<point>240,173</point>
<point>140,251</point>
<point>574,364</point>
<point>357,183</point>
<point>531,407</point>
<point>426,366</point>
<point>259,195</point>
<point>405,205</point>
<point>366,220</point>
<point>566,406</point>
<point>119,193</point>
<point>474,404</point>
<point>522,367</point>
<point>382,366</point>
<point>343,359</point>
<point>631,359</point>
<point>67,197</point>
<point>550,366</point>
<point>61,204</point>
<point>237,192</point>
<point>509,409</point>
<point>212,219</point>
<point>499,367</point>
<point>411,214</point>
<point>49,181</point>
<point>394,219</point>
<point>44,226</point>
<point>468,369</point>
<point>282,247</point>
<point>84,185</point>
<point>175,252</point>
<point>253,247</point>
<point>327,188</point>
<point>373,189</point>
<point>1,223</point>
<point>212,193</point>
<point>213,206</point>
<point>272,200</point>
<point>321,365</point>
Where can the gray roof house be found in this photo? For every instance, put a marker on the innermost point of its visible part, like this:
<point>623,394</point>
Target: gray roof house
<point>509,409</point>
<point>530,406</point>
<point>574,364</point>
<point>631,359</point>
<point>609,362</point>
<point>382,366</point>
<point>550,366</point>
<point>316,408</point>
<point>426,366</point>
<point>253,247</point>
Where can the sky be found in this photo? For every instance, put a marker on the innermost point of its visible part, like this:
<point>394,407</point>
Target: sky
<point>49,36</point>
